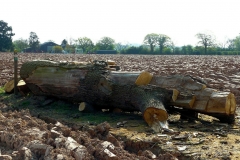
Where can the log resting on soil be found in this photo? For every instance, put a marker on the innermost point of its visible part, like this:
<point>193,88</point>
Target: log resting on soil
<point>194,95</point>
<point>98,86</point>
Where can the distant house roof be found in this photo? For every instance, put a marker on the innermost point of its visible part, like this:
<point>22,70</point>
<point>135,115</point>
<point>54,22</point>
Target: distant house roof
<point>49,43</point>
<point>106,51</point>
<point>44,46</point>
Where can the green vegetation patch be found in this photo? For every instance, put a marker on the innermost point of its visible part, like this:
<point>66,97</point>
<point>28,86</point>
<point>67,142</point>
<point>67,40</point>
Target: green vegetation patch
<point>2,90</point>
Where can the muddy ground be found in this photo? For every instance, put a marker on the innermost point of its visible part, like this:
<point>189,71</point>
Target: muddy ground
<point>34,127</point>
<point>46,128</point>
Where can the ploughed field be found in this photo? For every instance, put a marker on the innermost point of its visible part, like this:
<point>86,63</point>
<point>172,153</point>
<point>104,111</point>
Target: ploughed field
<point>219,72</point>
<point>47,132</point>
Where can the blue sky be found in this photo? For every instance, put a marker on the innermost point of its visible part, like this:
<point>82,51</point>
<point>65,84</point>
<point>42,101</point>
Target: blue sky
<point>123,20</point>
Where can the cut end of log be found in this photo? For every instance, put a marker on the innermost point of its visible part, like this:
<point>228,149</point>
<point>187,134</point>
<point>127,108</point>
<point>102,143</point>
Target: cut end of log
<point>215,103</point>
<point>152,114</point>
<point>23,88</point>
<point>220,102</point>
<point>175,95</point>
<point>111,62</point>
<point>232,103</point>
<point>21,83</point>
<point>82,106</point>
<point>9,86</point>
<point>144,78</point>
<point>85,107</point>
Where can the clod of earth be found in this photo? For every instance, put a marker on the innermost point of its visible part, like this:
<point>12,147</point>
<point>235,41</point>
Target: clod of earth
<point>95,85</point>
<point>32,138</point>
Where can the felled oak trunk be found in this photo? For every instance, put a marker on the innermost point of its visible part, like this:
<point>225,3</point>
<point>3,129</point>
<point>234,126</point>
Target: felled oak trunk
<point>96,85</point>
<point>99,87</point>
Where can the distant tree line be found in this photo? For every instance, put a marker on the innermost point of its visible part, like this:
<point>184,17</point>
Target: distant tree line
<point>153,43</point>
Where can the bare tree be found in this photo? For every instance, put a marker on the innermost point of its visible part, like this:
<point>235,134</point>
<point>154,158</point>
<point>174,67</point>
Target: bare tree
<point>163,41</point>
<point>172,45</point>
<point>206,40</point>
<point>230,44</point>
<point>33,42</point>
<point>121,46</point>
<point>85,43</point>
<point>237,43</point>
<point>151,40</point>
<point>20,44</point>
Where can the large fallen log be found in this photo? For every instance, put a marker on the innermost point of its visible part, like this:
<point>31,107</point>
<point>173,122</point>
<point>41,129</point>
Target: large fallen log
<point>99,87</point>
<point>94,84</point>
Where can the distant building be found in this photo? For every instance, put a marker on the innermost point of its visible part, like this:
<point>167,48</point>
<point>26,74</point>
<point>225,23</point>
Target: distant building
<point>47,47</point>
<point>27,50</point>
<point>106,52</point>
<point>79,50</point>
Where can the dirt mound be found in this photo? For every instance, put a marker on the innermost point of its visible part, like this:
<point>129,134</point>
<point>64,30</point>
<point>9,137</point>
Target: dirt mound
<point>26,137</point>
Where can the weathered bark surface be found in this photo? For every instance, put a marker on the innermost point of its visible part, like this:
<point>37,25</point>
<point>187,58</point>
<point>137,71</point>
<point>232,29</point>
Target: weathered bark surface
<point>97,86</point>
<point>184,84</point>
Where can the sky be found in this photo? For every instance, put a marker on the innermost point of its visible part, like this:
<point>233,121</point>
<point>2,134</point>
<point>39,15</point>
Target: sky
<point>125,21</point>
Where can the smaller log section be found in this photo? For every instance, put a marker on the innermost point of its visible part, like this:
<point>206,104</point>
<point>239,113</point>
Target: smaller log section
<point>83,106</point>
<point>112,65</point>
<point>9,87</point>
<point>195,96</point>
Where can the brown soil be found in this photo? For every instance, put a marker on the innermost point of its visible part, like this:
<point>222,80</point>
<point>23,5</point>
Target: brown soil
<point>45,128</point>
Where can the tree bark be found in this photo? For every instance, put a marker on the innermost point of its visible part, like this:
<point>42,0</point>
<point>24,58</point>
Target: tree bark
<point>99,87</point>
<point>215,103</point>
<point>184,84</point>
